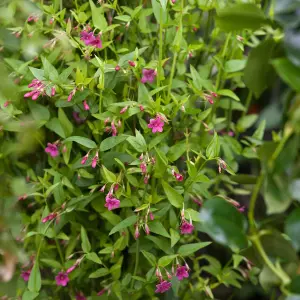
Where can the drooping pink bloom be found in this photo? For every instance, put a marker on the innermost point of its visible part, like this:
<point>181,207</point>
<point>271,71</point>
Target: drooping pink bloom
<point>182,272</point>
<point>143,167</point>
<point>71,95</point>
<point>38,88</point>
<point>113,129</point>
<point>84,159</point>
<point>80,296</point>
<point>136,232</point>
<point>146,179</point>
<point>71,269</point>
<point>101,292</point>
<point>62,279</point>
<point>96,42</point>
<point>178,176</point>
<point>25,275</point>
<point>77,118</point>
<point>49,217</point>
<point>53,91</point>
<point>147,229</point>
<point>163,286</point>
<point>156,124</point>
<point>112,203</point>
<point>95,160</point>
<point>52,149</point>
<point>85,105</point>
<point>103,189</point>
<point>186,228</point>
<point>148,75</point>
<point>241,209</point>
<point>123,110</point>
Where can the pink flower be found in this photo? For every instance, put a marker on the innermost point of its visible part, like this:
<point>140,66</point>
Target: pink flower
<point>90,39</point>
<point>71,95</point>
<point>117,68</point>
<point>80,296</point>
<point>77,118</point>
<point>85,105</point>
<point>52,149</point>
<point>101,292</point>
<point>156,124</point>
<point>186,228</point>
<point>136,232</point>
<point>62,279</point>
<point>163,286</point>
<point>25,275</point>
<point>123,110</point>
<point>49,217</point>
<point>148,75</point>
<point>182,272</point>
<point>141,108</point>
<point>84,159</point>
<point>95,160</point>
<point>143,167</point>
<point>38,88</point>
<point>151,216</point>
<point>71,269</point>
<point>53,91</point>
<point>103,189</point>
<point>6,103</point>
<point>111,202</point>
<point>131,63</point>
<point>114,129</point>
<point>178,176</point>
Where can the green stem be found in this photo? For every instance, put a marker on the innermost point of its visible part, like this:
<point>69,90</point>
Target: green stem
<point>247,104</point>
<point>160,54</point>
<point>253,199</point>
<point>59,251</point>
<point>280,274</point>
<point>171,77</point>
<point>137,258</point>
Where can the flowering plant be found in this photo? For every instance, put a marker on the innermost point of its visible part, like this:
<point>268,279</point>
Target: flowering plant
<point>135,153</point>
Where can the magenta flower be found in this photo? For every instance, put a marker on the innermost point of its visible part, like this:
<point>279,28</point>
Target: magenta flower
<point>95,160</point>
<point>38,88</point>
<point>156,124</point>
<point>53,91</point>
<point>52,149</point>
<point>186,228</point>
<point>80,296</point>
<point>49,217</point>
<point>85,105</point>
<point>90,39</point>
<point>143,167</point>
<point>62,279</point>
<point>84,159</point>
<point>25,275</point>
<point>136,232</point>
<point>77,118</point>
<point>71,269</point>
<point>163,286</point>
<point>123,110</point>
<point>112,203</point>
<point>178,176</point>
<point>71,95</point>
<point>117,68</point>
<point>113,129</point>
<point>182,272</point>
<point>101,292</point>
<point>148,75</point>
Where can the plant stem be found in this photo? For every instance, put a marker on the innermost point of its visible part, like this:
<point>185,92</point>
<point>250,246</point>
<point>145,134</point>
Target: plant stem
<point>171,77</point>
<point>247,104</point>
<point>280,274</point>
<point>137,258</point>
<point>59,251</point>
<point>160,53</point>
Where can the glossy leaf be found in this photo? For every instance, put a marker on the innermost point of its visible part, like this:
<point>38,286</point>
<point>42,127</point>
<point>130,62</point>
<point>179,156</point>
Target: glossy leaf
<point>173,196</point>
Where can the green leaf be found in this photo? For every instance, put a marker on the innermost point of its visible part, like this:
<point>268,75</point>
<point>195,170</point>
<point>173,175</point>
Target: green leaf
<point>28,295</point>
<point>175,237</point>
<point>292,228</point>
<point>235,65</point>
<point>186,250</point>
<point>166,260</point>
<point>161,243</point>
<point>150,257</point>
<point>37,73</point>
<point>223,223</point>
<point>82,141</point>
<point>240,16</point>
<point>161,164</point>
<point>288,72</point>
<point>65,123</point>
<point>259,132</point>
<point>108,175</point>
<point>35,282</point>
<point>55,126</point>
<point>229,94</point>
<point>275,194</point>
<point>158,228</point>
<point>94,257</point>
<point>176,151</point>
<point>50,71</point>
<point>112,142</point>
<point>138,142</point>
<point>99,20</point>
<point>51,263</point>
<point>246,122</point>
<point>39,112</point>
<point>85,243</point>
<point>213,149</point>
<point>159,13</point>
<point>163,4</point>
<point>124,224</point>
<point>158,139</point>
<point>258,70</point>
<point>173,196</point>
<point>99,273</point>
